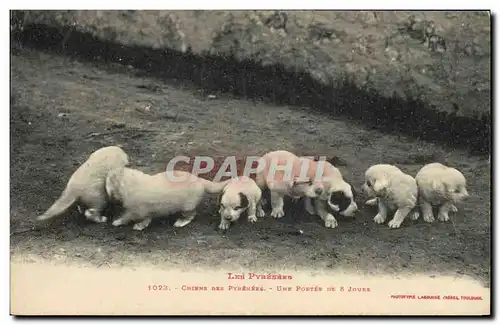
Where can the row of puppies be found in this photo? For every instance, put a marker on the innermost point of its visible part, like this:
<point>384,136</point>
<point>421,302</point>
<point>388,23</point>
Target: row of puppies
<point>327,195</point>
<point>105,177</point>
<point>393,190</point>
<point>386,185</point>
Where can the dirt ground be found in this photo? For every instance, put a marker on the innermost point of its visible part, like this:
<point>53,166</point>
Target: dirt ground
<point>62,110</point>
<point>71,290</point>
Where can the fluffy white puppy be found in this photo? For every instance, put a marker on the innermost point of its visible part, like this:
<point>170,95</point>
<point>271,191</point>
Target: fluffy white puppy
<point>289,182</point>
<point>239,195</point>
<point>146,196</point>
<point>393,190</point>
<point>339,197</point>
<point>439,185</point>
<point>86,186</point>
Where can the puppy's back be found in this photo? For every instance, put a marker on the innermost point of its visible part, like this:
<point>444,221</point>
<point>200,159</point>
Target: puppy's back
<point>242,184</point>
<point>154,194</point>
<point>385,170</point>
<point>284,158</point>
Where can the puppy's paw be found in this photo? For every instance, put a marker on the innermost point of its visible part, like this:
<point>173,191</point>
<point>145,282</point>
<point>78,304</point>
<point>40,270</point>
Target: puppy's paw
<point>379,219</point>
<point>224,225</point>
<point>261,213</point>
<point>428,218</point>
<point>99,219</point>
<point>330,221</point>
<point>117,222</point>
<point>139,227</point>
<point>182,222</point>
<point>90,213</point>
<point>394,224</point>
<point>443,217</point>
<point>372,202</point>
<point>252,219</point>
<point>453,209</point>
<point>277,213</point>
<point>415,215</point>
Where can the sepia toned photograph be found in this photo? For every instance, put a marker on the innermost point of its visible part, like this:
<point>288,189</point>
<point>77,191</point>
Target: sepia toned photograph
<point>250,163</point>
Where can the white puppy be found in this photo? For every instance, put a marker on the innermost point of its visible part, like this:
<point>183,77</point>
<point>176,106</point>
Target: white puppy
<point>283,183</point>
<point>86,185</point>
<point>439,185</point>
<point>146,196</point>
<point>339,198</point>
<point>239,195</point>
<point>394,190</point>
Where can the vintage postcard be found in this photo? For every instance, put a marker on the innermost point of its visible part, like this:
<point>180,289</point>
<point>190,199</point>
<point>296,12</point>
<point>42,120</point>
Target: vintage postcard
<point>250,163</point>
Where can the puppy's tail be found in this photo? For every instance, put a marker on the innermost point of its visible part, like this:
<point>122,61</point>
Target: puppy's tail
<point>214,187</point>
<point>63,203</point>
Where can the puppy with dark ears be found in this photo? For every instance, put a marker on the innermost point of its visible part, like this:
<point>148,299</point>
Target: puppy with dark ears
<point>239,195</point>
<point>393,190</point>
<point>338,197</point>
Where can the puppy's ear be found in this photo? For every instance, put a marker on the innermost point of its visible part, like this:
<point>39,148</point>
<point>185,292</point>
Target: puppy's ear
<point>244,203</point>
<point>355,192</point>
<point>380,185</point>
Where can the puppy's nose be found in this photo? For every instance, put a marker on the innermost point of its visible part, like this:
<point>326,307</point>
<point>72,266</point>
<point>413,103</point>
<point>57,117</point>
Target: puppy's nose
<point>227,217</point>
<point>318,191</point>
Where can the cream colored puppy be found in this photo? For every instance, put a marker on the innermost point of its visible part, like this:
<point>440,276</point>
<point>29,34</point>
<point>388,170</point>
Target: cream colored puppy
<point>339,197</point>
<point>439,185</point>
<point>289,182</point>
<point>86,185</point>
<point>146,196</point>
<point>393,190</point>
<point>239,195</point>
